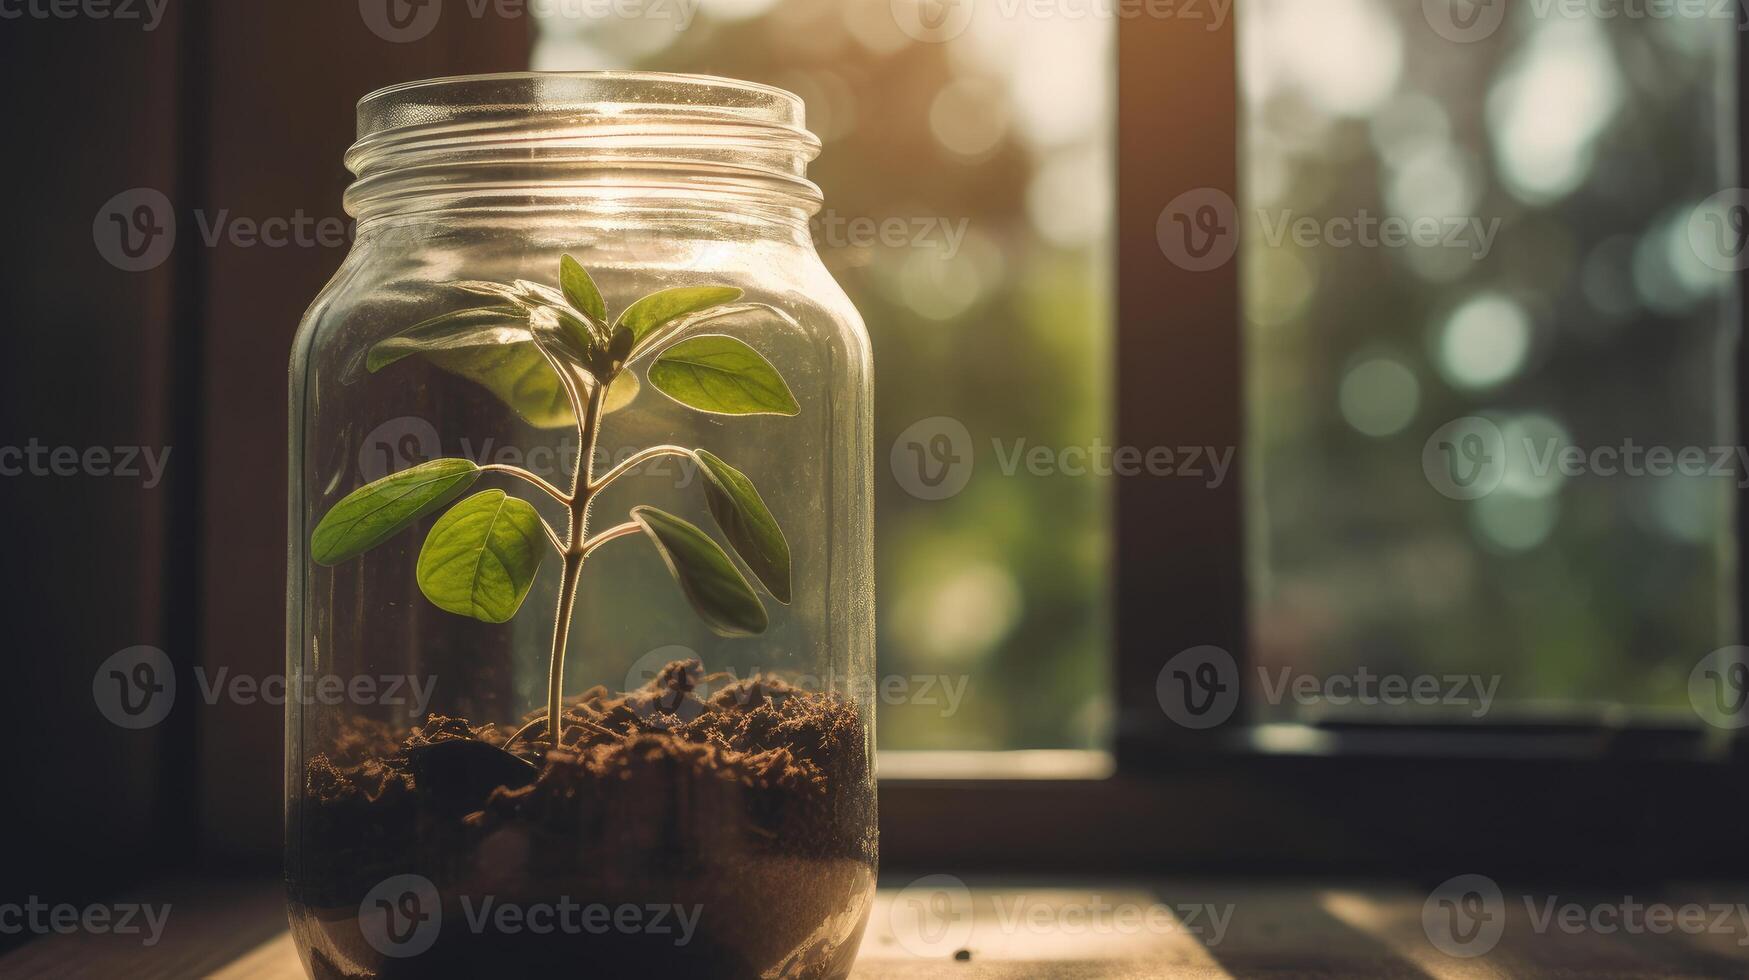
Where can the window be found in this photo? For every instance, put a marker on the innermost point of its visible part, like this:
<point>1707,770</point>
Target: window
<point>1551,333</point>
<point>968,214</point>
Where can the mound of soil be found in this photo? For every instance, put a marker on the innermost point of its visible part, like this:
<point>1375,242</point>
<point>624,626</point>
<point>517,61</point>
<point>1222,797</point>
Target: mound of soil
<point>742,819</point>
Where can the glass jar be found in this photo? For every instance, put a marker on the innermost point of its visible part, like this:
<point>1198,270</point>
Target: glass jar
<point>580,427</point>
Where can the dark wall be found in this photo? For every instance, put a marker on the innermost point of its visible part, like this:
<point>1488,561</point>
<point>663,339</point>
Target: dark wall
<point>235,113</point>
<point>92,356</point>
<point>284,81</point>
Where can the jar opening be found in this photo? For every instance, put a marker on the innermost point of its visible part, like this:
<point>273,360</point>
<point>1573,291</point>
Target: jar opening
<point>429,144</point>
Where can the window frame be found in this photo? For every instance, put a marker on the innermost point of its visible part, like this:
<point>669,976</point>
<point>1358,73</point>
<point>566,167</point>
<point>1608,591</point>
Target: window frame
<point>1581,802</point>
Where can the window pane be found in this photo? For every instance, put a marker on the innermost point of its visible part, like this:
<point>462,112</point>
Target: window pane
<point>967,215</point>
<point>1488,360</point>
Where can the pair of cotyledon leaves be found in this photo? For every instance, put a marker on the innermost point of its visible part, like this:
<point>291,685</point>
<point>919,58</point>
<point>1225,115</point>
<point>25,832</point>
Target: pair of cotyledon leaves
<point>481,557</point>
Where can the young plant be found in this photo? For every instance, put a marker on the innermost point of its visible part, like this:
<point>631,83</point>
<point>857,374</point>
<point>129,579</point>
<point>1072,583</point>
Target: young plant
<point>554,357</point>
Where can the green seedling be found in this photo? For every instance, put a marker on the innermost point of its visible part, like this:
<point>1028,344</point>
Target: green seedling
<point>556,359</point>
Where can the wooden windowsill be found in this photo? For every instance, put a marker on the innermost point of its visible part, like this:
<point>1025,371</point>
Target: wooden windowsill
<point>235,930</point>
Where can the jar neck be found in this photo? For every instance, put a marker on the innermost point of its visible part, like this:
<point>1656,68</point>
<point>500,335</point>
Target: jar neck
<point>540,223</point>
<point>647,146</point>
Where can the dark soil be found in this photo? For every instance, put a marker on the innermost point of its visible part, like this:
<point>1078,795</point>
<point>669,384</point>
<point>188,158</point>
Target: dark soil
<point>749,809</point>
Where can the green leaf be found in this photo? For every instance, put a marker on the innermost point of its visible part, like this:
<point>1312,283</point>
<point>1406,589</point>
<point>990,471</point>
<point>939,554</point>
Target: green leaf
<point>494,347</point>
<point>485,326</point>
<point>747,523</point>
<point>710,580</point>
<point>662,306</point>
<point>620,394</point>
<point>567,346</point>
<point>522,292</point>
<point>717,373</point>
<point>377,511</point>
<point>580,290</point>
<point>518,376</point>
<point>481,557</point>
<point>532,297</point>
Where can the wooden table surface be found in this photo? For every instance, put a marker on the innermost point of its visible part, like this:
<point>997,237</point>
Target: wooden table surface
<point>938,926</point>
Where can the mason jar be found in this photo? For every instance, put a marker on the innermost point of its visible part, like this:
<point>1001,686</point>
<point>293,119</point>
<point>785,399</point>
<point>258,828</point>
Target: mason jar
<point>580,430</point>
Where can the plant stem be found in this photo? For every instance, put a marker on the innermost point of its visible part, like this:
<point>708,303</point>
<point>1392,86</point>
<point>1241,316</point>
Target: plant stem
<point>520,473</point>
<point>617,531</point>
<point>553,536</point>
<point>588,428</point>
<point>641,456</point>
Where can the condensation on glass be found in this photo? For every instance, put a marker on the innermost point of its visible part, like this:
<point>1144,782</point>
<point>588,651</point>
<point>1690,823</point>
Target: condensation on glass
<point>709,810</point>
